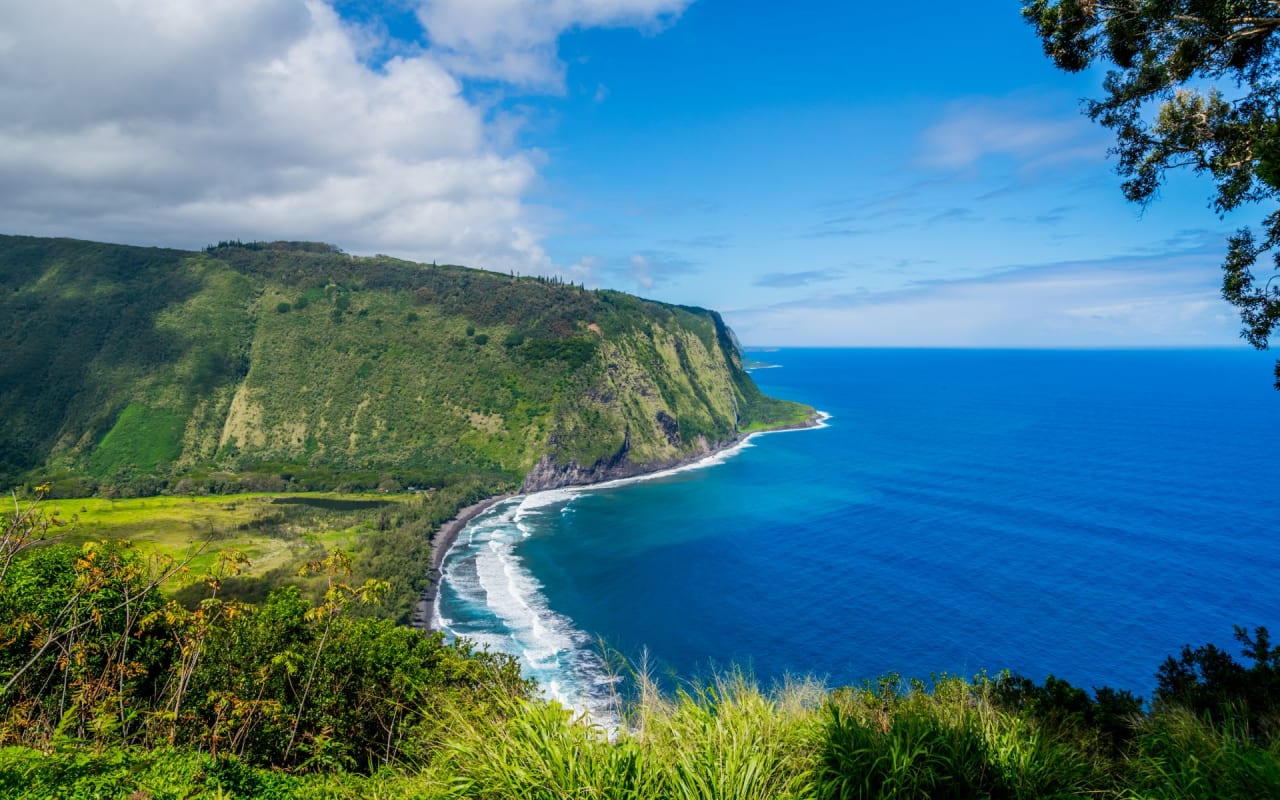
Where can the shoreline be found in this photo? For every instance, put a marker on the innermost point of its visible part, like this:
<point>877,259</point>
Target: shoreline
<point>447,534</point>
<point>441,543</point>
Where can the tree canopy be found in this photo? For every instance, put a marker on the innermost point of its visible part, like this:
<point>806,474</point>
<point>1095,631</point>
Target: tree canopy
<point>1195,85</point>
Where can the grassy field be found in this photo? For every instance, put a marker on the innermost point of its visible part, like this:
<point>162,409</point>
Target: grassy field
<point>274,530</point>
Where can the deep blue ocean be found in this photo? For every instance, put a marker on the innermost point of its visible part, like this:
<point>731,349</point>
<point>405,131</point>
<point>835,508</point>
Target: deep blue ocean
<point>1080,513</point>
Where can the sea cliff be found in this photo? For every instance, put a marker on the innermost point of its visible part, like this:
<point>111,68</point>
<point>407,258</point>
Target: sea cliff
<point>295,365</point>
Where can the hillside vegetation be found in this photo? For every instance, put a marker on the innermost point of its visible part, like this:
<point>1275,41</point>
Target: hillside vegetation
<point>130,371</point>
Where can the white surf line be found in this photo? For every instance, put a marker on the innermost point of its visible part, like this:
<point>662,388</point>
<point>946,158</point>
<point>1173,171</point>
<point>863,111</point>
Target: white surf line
<point>438,622</point>
<point>709,460</point>
<point>564,638</point>
<point>524,503</point>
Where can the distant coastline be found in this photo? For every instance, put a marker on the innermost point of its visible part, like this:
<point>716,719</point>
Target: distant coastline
<point>447,535</point>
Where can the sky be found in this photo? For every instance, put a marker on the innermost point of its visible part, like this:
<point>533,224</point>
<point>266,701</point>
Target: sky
<point>824,173</point>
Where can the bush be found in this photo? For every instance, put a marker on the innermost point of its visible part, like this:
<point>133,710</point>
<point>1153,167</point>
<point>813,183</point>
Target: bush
<point>93,652</point>
<point>1068,710</point>
<point>948,743</point>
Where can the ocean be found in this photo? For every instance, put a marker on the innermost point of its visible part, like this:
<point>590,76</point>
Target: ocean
<point>1076,513</point>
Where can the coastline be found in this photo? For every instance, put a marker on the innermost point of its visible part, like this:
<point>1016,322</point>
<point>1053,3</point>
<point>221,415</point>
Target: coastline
<point>445,537</point>
<point>441,542</point>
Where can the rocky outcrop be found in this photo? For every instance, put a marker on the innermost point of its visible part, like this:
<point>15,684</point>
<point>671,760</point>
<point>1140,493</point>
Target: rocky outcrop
<point>670,427</point>
<point>549,474</point>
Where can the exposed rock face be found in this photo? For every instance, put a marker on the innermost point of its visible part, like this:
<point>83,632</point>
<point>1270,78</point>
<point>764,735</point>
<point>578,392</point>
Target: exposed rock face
<point>547,474</point>
<point>670,427</point>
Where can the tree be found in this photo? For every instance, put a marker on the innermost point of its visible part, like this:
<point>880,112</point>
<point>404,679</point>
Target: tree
<point>1209,682</point>
<point>1196,85</point>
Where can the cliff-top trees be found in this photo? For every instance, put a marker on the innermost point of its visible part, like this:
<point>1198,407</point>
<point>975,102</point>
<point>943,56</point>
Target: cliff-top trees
<point>1196,86</point>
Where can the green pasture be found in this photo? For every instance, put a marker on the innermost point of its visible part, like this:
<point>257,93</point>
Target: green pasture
<point>274,530</point>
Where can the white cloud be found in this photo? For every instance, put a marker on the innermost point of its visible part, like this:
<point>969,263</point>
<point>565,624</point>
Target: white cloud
<point>515,40</point>
<point>182,122</point>
<point>584,271</point>
<point>652,269</point>
<point>640,272</point>
<point>973,129</point>
<point>1165,301</point>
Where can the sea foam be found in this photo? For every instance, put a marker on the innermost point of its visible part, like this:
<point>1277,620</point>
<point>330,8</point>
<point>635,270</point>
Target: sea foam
<point>492,599</point>
<point>489,596</point>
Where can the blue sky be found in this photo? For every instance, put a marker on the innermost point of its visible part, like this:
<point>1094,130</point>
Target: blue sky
<point>824,173</point>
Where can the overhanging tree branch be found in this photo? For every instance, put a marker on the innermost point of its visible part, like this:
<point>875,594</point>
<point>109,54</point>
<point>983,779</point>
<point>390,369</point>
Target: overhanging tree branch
<point>1162,119</point>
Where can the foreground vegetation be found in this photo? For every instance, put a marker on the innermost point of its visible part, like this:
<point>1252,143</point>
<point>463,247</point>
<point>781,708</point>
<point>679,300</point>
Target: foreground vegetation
<point>109,688</point>
<point>951,739</point>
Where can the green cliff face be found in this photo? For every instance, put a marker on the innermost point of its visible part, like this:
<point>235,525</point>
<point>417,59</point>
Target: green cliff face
<point>141,367</point>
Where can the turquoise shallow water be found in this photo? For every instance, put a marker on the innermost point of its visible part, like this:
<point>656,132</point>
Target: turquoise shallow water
<point>1076,513</point>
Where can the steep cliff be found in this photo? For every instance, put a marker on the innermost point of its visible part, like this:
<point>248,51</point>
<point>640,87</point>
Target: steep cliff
<point>142,368</point>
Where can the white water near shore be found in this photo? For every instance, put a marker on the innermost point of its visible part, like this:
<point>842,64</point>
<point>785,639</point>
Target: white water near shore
<point>483,572</point>
<point>488,595</point>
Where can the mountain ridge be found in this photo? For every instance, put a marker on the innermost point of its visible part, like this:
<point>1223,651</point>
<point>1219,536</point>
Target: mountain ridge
<point>295,365</point>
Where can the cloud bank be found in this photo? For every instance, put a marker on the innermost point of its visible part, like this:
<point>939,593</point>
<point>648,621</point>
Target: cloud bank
<point>1170,300</point>
<point>1015,128</point>
<point>181,122</point>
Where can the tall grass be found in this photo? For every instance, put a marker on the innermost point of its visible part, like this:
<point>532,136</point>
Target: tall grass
<point>540,751</point>
<point>1181,756</point>
<point>730,740</point>
<point>727,739</point>
<point>905,741</point>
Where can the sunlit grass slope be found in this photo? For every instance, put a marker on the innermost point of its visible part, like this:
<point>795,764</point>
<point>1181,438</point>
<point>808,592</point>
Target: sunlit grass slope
<point>731,740</point>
